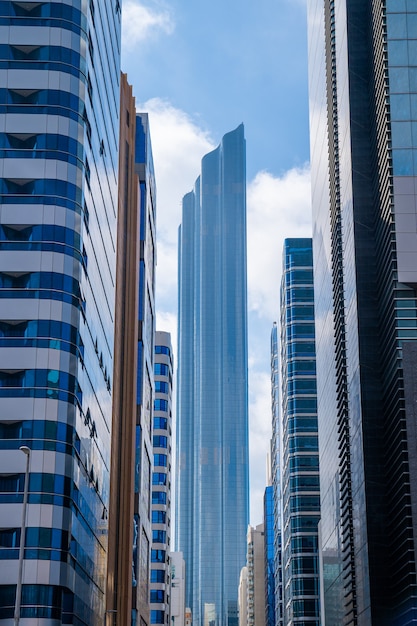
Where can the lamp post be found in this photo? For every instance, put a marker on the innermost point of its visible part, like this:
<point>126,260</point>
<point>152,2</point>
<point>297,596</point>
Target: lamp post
<point>26,451</point>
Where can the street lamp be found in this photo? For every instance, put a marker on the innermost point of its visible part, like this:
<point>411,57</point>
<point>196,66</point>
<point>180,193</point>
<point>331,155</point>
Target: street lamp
<point>26,451</point>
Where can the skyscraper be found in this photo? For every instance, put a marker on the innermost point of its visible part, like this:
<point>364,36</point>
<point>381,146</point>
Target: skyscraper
<point>124,400</point>
<point>212,432</point>
<point>363,107</point>
<point>145,373</point>
<point>300,490</point>
<point>276,475</point>
<point>161,481</point>
<point>130,533</point>
<point>60,81</point>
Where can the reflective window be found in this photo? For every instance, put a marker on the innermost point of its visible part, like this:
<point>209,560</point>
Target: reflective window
<point>159,497</point>
<point>158,478</point>
<point>160,441</point>
<point>160,423</point>
<point>160,460</point>
<point>158,556</point>
<point>157,596</point>
<point>157,576</point>
<point>159,536</point>
<point>158,517</point>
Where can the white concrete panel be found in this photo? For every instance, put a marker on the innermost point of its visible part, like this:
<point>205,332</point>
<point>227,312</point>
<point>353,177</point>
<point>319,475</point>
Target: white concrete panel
<point>17,358</point>
<point>46,516</point>
<point>35,35</point>
<point>13,462</point>
<point>16,309</point>
<point>28,123</point>
<point>20,261</point>
<point>6,575</point>
<point>24,168</point>
<point>26,79</point>
<point>11,516</point>
<point>43,576</point>
<point>16,409</point>
<point>48,462</point>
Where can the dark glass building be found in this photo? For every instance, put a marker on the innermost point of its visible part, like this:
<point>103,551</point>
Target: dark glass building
<point>212,416</point>
<point>300,489</point>
<point>59,130</point>
<point>363,118</point>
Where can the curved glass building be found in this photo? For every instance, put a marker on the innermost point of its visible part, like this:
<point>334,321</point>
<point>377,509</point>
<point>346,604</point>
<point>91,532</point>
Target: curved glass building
<point>59,121</point>
<point>212,431</point>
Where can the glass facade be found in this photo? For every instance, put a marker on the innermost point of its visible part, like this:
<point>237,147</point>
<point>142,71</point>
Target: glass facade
<point>362,67</point>
<point>161,482</point>
<point>59,111</point>
<point>300,491</point>
<point>276,474</point>
<point>212,433</point>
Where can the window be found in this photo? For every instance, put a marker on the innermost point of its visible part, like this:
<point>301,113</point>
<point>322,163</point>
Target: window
<point>160,460</point>
<point>160,405</point>
<point>161,386</point>
<point>159,536</point>
<point>158,556</point>
<point>158,478</point>
<point>9,537</point>
<point>157,595</point>
<point>160,441</point>
<point>157,576</point>
<point>159,497</point>
<point>157,617</point>
<point>162,350</point>
<point>160,423</point>
<point>161,369</point>
<point>158,517</point>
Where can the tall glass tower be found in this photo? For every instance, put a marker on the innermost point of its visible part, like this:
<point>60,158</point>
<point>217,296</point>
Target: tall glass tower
<point>300,489</point>
<point>276,474</point>
<point>212,433</point>
<point>363,112</point>
<point>59,112</point>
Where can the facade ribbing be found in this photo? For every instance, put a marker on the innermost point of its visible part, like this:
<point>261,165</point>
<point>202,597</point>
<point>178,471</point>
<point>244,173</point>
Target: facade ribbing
<point>363,144</point>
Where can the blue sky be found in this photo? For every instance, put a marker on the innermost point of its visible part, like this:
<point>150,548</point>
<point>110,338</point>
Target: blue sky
<point>200,68</point>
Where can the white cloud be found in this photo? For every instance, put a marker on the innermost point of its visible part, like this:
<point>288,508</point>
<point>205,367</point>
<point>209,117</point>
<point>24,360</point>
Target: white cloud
<point>278,207</point>
<point>141,22</point>
<point>178,145</point>
<point>259,438</point>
